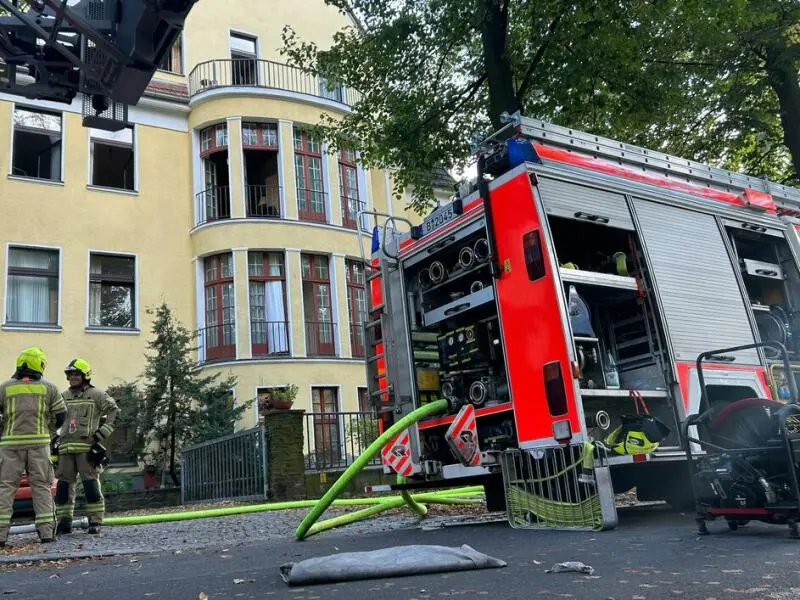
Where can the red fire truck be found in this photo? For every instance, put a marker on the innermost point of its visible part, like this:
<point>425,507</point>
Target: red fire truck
<point>571,288</point>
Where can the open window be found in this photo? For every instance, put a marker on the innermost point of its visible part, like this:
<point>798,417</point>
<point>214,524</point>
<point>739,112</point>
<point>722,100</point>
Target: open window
<point>261,172</point>
<point>215,198</point>
<point>113,159</point>
<point>244,59</point>
<point>37,144</point>
<point>173,58</point>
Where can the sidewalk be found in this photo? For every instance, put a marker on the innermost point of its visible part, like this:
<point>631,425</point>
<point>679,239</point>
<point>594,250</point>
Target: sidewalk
<point>229,531</point>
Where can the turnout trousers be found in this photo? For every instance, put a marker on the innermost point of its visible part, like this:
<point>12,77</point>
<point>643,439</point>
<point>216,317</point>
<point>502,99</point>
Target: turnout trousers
<point>69,467</point>
<point>35,463</point>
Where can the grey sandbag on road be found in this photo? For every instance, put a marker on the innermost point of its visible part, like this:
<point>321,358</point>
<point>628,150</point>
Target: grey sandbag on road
<point>398,561</point>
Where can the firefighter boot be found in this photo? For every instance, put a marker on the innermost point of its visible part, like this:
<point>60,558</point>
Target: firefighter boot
<point>64,526</point>
<point>95,504</point>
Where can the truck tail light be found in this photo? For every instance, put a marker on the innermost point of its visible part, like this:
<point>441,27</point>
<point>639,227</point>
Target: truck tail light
<point>554,389</point>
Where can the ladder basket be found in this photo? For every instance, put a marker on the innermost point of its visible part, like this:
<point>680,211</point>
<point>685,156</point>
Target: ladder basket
<point>549,488</point>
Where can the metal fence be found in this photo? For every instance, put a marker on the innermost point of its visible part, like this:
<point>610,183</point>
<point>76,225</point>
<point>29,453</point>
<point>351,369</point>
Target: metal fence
<point>336,439</point>
<point>232,467</point>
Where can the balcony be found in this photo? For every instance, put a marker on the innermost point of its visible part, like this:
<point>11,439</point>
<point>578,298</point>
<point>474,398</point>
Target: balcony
<point>269,338</point>
<point>215,203</point>
<point>263,201</point>
<point>217,342</point>
<point>350,209</point>
<point>265,74</point>
<point>320,338</point>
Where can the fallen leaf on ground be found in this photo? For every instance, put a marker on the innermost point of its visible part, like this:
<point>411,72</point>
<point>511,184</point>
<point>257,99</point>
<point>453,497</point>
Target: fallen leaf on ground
<point>238,581</point>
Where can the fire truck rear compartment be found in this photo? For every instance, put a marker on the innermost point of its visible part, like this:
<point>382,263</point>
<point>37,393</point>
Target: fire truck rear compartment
<point>456,340</point>
<point>602,269</point>
<point>457,345</point>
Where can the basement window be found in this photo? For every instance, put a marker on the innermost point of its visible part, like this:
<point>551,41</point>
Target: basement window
<point>113,162</point>
<point>37,144</point>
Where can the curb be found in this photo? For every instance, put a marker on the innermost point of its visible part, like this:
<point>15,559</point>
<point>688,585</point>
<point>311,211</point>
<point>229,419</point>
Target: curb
<point>47,557</point>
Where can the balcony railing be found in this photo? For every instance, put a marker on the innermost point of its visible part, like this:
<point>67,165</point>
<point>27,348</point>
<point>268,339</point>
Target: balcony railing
<point>217,342</point>
<point>357,345</point>
<point>320,338</point>
<point>336,439</point>
<point>215,204</point>
<point>269,338</point>
<point>350,208</point>
<point>263,201</point>
<point>257,73</point>
<point>311,205</point>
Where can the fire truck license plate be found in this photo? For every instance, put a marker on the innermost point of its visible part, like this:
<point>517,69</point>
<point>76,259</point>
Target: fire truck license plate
<point>437,218</point>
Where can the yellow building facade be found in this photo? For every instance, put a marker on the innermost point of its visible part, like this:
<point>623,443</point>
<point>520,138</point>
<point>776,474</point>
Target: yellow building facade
<point>216,201</point>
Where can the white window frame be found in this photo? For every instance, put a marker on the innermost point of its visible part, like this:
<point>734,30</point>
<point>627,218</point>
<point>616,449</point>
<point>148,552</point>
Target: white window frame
<point>14,107</point>
<point>103,328</point>
<point>90,162</point>
<point>27,326</point>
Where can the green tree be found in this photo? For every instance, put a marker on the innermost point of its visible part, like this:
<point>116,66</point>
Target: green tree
<point>129,401</point>
<point>716,81</point>
<point>181,404</point>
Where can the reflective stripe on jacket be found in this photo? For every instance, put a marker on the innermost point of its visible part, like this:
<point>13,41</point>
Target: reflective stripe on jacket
<point>29,408</point>
<point>85,408</point>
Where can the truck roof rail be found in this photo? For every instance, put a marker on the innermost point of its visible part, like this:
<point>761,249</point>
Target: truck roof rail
<point>652,161</point>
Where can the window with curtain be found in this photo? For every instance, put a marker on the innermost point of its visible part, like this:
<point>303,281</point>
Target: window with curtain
<point>32,295</point>
<point>356,304</point>
<point>219,336</point>
<point>317,304</point>
<point>269,328</point>
<point>308,174</point>
<point>112,291</point>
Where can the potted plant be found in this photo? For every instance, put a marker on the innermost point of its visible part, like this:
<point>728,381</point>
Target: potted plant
<point>282,398</point>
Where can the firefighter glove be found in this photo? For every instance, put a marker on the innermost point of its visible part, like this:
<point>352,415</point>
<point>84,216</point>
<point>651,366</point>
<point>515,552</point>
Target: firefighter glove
<point>54,449</point>
<point>97,455</point>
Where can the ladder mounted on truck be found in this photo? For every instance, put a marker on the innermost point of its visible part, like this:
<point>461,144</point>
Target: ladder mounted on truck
<point>756,193</point>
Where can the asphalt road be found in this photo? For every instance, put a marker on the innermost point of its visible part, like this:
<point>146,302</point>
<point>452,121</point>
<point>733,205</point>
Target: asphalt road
<point>652,555</point>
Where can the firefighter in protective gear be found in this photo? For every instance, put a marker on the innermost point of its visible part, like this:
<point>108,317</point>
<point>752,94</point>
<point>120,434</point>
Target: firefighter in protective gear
<point>90,420</point>
<point>29,405</point>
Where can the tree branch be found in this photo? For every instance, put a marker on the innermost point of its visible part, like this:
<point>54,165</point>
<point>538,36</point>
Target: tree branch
<point>539,56</point>
<point>470,92</point>
<point>682,63</point>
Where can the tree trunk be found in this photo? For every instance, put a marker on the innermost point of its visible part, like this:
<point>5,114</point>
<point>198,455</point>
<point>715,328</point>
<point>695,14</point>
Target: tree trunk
<point>172,436</point>
<point>784,80</point>
<point>494,31</point>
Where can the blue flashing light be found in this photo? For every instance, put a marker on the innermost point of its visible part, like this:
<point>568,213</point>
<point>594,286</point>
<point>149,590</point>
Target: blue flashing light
<point>520,150</point>
<point>376,239</point>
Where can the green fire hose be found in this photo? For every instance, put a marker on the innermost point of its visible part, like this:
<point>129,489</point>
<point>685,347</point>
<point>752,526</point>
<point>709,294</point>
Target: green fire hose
<point>426,410</point>
<point>273,506</point>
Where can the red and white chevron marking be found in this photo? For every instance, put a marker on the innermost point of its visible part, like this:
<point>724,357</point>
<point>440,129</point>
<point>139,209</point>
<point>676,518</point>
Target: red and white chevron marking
<point>397,454</point>
<point>462,437</point>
